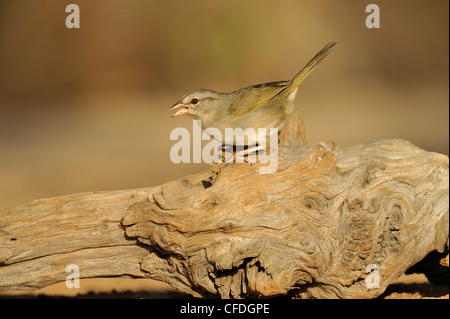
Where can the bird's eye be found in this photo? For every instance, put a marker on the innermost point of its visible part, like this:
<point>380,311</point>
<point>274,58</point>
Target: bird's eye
<point>194,101</point>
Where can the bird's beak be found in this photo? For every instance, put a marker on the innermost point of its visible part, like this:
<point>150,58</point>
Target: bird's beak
<point>179,104</point>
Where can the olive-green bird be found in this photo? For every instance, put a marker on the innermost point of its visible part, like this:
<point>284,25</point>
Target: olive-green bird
<point>265,105</point>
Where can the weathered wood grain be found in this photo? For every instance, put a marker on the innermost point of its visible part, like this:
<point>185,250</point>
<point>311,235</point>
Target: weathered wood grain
<point>39,240</point>
<point>309,230</point>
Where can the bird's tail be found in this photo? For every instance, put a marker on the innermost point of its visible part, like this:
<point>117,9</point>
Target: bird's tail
<point>300,76</point>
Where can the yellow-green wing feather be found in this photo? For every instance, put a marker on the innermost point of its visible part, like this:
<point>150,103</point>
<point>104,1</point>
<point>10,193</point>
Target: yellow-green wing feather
<point>250,98</point>
<point>300,76</point>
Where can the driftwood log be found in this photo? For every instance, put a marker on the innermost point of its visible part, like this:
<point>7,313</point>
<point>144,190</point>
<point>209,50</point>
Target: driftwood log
<point>318,228</point>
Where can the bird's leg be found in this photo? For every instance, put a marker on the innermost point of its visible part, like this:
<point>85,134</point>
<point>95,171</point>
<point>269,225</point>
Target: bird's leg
<point>224,149</point>
<point>247,154</point>
<point>239,153</point>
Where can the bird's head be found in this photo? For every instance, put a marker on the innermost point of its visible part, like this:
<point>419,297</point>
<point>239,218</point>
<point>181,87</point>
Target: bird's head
<point>197,103</point>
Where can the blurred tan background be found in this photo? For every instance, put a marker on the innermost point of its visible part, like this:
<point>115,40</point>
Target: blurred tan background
<point>87,109</point>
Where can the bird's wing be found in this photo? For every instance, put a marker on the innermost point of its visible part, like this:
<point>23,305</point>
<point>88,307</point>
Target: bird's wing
<point>311,65</point>
<point>250,98</point>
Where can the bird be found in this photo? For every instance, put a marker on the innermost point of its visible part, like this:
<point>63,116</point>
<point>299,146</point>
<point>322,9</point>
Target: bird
<point>266,105</point>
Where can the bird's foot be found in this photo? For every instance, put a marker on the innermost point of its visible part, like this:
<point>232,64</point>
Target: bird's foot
<point>247,155</point>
